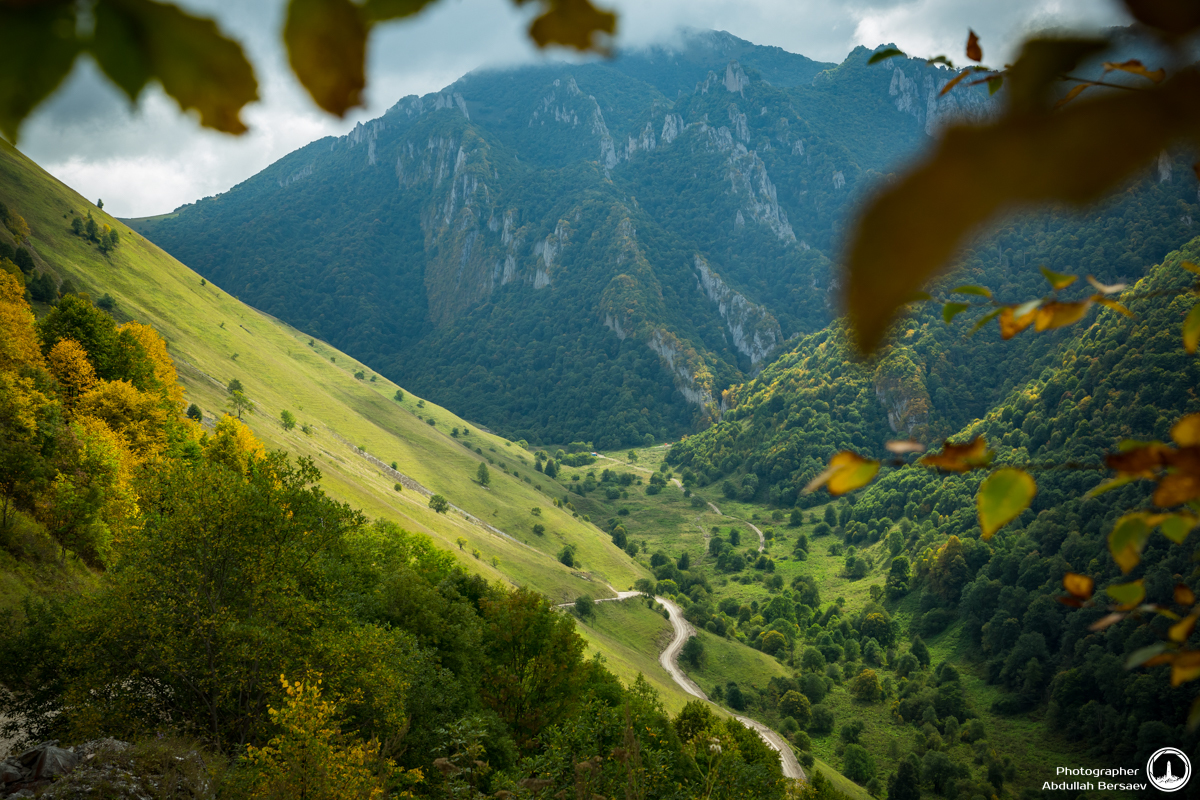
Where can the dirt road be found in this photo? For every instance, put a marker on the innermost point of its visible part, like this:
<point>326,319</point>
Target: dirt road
<point>670,662</point>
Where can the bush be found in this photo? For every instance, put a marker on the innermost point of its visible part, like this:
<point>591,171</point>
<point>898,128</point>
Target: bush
<point>585,607</point>
<point>567,556</point>
<point>194,412</point>
<point>857,764</point>
<point>822,720</point>
<point>439,504</point>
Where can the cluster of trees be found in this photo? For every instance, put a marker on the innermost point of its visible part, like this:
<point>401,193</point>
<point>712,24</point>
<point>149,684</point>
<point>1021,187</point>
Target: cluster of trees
<point>17,260</point>
<point>105,237</point>
<point>221,567</point>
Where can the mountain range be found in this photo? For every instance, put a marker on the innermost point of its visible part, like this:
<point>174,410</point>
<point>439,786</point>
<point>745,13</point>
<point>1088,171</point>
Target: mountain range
<point>577,251</point>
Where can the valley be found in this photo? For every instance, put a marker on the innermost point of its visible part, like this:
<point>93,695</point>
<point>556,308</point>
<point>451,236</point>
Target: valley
<point>494,448</point>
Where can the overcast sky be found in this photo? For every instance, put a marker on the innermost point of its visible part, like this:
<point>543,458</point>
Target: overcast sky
<point>152,158</point>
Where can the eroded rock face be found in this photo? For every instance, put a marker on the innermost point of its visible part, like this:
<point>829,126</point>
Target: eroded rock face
<point>754,331</point>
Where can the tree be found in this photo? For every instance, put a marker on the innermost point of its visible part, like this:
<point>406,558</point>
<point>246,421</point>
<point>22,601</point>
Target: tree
<point>773,642</point>
<point>692,652</point>
<point>919,650</point>
<point>534,662</point>
<point>585,607</point>
<point>234,386</point>
<point>482,475</point>
<point>795,705</point>
<point>857,764</point>
<point>822,720</point>
<point>905,782</point>
<point>796,519</point>
<point>240,403</point>
<point>813,660</point>
<point>866,687</point>
<point>461,542</point>
<point>91,228</point>
<point>399,396</point>
<point>194,412</point>
<point>310,756</point>
<point>439,504</point>
<point>288,419</point>
<point>734,698</point>
<point>551,469</point>
<point>566,556</point>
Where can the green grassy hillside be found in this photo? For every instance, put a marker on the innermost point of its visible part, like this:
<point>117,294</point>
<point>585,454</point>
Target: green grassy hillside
<point>214,338</point>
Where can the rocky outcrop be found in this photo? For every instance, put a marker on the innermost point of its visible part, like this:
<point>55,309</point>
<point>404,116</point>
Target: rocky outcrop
<point>921,97</point>
<point>755,333</point>
<point>24,774</point>
<point>900,389</point>
<point>692,377</point>
<point>748,180</point>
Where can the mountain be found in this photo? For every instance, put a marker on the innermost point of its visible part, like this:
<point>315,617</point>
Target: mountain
<point>349,421</point>
<point>576,252</point>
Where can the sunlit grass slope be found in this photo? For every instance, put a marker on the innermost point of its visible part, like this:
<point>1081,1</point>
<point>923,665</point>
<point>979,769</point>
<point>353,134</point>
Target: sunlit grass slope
<point>214,338</point>
<point>630,635</point>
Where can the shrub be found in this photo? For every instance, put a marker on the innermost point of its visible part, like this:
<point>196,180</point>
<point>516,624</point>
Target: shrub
<point>857,764</point>
<point>822,720</point>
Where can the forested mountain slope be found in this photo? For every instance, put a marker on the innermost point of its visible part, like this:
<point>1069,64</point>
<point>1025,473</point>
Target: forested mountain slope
<point>572,252</point>
<point>1109,379</point>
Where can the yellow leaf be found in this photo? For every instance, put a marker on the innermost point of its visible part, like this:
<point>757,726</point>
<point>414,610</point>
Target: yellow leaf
<point>1186,431</point>
<point>1078,585</point>
<point>1108,302</point>
<point>959,457</point>
<point>1135,67</point>
<point>138,41</point>
<point>846,472</point>
<point>1071,95</point>
<point>1191,330</point>
<point>1011,324</point>
<point>1058,280</point>
<point>954,82</point>
<point>1184,596</point>
<point>1058,315</point>
<point>1001,499</point>
<point>1128,594</point>
<point>327,45</point>
<point>1180,631</point>
<point>1185,667</point>
<point>1072,156</point>
<point>1177,488</point>
<point>1189,266</point>
<point>573,23</point>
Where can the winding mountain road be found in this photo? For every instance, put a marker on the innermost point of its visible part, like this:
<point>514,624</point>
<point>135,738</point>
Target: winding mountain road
<point>670,662</point>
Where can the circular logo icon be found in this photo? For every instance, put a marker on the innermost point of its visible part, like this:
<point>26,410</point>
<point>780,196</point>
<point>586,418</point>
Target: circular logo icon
<point>1168,769</point>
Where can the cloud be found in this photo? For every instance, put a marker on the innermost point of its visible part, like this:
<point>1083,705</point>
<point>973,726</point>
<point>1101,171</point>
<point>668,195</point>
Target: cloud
<point>153,158</point>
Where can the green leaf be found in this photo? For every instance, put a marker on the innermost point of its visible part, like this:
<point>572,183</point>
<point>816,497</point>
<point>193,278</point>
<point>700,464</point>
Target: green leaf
<point>1127,594</point>
<point>1072,156</point>
<point>1127,539</point>
<point>1176,527</point>
<point>981,291</point>
<point>37,50</point>
<point>940,60</point>
<point>994,83</point>
<point>1141,656</point>
<point>1115,483</point>
<point>1191,330</point>
<point>327,45</point>
<point>1058,280</point>
<point>985,319</point>
<point>573,23</point>
<point>952,310</point>
<point>138,41</point>
<point>884,54</point>
<point>1002,497</point>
